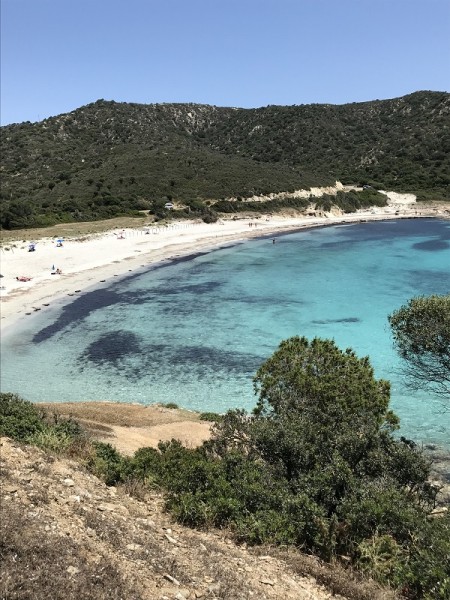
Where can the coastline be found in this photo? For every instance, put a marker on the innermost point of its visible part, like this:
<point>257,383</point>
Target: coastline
<point>95,260</point>
<point>91,260</point>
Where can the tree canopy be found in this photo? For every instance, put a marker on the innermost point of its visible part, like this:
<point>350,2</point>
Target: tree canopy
<point>421,332</point>
<point>302,375</point>
<point>317,465</point>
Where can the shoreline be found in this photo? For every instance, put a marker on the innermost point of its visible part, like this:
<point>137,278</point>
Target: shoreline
<point>96,260</point>
<point>92,260</point>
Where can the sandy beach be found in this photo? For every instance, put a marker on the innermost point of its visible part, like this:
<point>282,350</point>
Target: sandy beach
<point>54,270</point>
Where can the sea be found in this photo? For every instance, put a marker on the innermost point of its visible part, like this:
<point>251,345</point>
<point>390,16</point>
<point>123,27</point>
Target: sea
<point>193,331</point>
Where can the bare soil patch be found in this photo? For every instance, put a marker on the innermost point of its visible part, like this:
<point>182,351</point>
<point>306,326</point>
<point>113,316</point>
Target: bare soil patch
<point>129,427</point>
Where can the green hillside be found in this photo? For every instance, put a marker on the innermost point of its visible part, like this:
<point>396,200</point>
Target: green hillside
<point>108,159</point>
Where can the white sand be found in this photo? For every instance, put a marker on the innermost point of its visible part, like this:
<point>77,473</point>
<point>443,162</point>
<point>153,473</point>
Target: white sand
<point>100,257</point>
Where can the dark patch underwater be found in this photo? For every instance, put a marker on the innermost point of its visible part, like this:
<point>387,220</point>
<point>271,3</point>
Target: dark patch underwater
<point>329,321</point>
<point>112,347</point>
<point>432,245</point>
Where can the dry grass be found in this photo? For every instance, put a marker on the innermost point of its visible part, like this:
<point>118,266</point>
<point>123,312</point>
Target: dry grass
<point>72,229</point>
<point>335,578</point>
<point>153,552</point>
<point>39,565</point>
<point>114,413</point>
<point>136,488</point>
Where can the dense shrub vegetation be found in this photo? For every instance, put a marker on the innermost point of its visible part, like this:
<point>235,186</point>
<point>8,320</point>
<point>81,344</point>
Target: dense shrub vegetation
<point>392,144</point>
<point>109,159</point>
<point>351,201</point>
<point>316,466</point>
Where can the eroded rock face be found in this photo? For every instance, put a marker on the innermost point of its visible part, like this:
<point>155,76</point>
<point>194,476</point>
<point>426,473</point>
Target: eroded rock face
<point>315,192</point>
<point>67,535</point>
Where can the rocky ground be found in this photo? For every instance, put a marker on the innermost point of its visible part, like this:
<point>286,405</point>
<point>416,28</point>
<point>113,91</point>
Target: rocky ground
<point>67,535</point>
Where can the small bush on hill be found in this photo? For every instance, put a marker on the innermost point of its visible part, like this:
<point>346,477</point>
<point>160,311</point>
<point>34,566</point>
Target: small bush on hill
<point>107,463</point>
<point>19,419</point>
<point>210,416</point>
<point>25,422</point>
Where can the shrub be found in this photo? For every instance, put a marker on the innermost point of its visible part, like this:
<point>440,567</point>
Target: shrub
<point>210,416</point>
<point>145,465</point>
<point>51,439</point>
<point>19,418</point>
<point>107,463</point>
<point>68,427</point>
<point>418,567</point>
<point>25,422</point>
<point>210,217</point>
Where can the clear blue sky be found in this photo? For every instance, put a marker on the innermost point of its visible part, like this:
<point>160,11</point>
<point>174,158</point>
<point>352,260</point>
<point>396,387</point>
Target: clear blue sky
<point>57,55</point>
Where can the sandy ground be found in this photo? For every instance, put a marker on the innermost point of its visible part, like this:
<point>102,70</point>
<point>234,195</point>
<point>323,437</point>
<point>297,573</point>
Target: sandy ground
<point>87,261</point>
<point>129,427</point>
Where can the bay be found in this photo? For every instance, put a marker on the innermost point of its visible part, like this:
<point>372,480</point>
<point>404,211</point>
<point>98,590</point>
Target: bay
<point>194,331</point>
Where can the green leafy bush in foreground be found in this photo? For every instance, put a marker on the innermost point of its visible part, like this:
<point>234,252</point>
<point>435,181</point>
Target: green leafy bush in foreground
<point>317,466</point>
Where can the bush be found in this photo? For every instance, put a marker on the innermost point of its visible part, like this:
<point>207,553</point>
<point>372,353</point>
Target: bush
<point>418,567</point>
<point>210,416</point>
<point>25,422</point>
<point>51,439</point>
<point>68,427</point>
<point>19,419</point>
<point>107,463</point>
<point>145,466</point>
<point>210,217</point>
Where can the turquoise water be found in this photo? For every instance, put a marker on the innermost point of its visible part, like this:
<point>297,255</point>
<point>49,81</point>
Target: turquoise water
<point>195,331</point>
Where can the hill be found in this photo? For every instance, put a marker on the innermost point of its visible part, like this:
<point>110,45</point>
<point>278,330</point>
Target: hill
<point>108,159</point>
<point>66,535</point>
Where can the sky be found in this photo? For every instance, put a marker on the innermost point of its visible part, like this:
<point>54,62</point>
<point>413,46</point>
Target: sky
<point>58,55</point>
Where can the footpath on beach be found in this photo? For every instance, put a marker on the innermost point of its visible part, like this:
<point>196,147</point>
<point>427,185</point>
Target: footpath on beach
<point>35,273</point>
